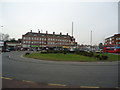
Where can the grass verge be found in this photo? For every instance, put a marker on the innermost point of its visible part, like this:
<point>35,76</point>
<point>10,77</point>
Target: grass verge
<point>69,57</point>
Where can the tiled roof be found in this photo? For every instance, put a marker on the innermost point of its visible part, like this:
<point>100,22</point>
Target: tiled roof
<point>39,34</point>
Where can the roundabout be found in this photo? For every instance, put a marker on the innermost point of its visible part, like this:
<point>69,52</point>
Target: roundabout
<point>76,74</point>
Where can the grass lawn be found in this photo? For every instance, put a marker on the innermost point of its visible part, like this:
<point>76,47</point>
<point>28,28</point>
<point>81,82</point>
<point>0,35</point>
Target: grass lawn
<point>68,57</point>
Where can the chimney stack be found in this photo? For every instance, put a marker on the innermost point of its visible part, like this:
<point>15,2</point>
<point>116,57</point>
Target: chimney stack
<point>67,34</point>
<point>38,31</point>
<point>54,33</point>
<point>31,31</point>
<point>46,32</point>
<point>60,33</point>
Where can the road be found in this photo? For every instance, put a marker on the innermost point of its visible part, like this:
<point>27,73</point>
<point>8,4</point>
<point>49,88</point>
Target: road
<point>101,74</point>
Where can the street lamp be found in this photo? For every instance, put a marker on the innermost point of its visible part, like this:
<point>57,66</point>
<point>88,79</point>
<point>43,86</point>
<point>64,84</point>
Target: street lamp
<point>91,41</point>
<point>1,36</point>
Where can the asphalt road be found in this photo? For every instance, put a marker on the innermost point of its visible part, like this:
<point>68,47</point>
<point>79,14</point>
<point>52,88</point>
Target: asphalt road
<point>101,74</point>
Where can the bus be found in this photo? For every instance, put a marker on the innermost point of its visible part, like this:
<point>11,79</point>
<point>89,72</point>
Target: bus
<point>111,49</point>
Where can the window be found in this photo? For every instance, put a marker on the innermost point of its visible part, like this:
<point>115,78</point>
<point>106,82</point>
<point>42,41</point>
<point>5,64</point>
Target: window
<point>23,41</point>
<point>48,38</point>
<point>35,34</point>
<point>23,37</point>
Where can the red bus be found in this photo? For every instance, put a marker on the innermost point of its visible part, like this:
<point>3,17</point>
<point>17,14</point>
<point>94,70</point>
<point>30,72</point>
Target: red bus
<point>111,49</point>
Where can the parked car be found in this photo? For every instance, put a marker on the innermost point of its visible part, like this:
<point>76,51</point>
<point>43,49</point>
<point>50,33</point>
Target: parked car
<point>5,50</point>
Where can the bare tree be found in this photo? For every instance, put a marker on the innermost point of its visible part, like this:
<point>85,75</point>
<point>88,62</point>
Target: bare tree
<point>4,37</point>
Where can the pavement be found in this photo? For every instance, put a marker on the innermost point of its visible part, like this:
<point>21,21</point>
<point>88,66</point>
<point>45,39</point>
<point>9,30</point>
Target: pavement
<point>74,74</point>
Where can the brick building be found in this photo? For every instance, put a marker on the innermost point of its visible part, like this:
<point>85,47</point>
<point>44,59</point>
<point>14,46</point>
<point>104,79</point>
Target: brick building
<point>39,40</point>
<point>113,40</point>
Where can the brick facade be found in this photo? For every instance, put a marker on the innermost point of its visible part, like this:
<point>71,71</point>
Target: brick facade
<point>113,40</point>
<point>32,39</point>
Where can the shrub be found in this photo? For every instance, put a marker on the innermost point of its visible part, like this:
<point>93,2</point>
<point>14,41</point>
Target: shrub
<point>100,58</point>
<point>90,54</point>
<point>65,52</point>
<point>27,53</point>
<point>44,52</point>
<point>97,56</point>
<point>104,57</point>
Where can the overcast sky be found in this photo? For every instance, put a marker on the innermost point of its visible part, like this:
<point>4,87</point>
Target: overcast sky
<point>101,17</point>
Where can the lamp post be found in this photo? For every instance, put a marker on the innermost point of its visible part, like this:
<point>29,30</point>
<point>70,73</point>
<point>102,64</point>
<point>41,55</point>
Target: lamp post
<point>91,41</point>
<point>72,29</point>
<point>1,37</point>
<point>30,40</point>
<point>41,39</point>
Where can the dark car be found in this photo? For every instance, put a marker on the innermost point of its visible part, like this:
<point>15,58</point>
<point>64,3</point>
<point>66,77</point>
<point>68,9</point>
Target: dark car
<point>5,50</point>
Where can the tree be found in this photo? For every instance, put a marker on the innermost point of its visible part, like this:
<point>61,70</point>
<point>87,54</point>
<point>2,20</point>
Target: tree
<point>101,45</point>
<point>13,40</point>
<point>4,37</point>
